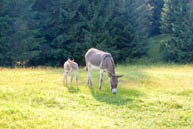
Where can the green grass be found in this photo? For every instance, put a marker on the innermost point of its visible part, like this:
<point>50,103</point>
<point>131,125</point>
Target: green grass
<point>149,97</point>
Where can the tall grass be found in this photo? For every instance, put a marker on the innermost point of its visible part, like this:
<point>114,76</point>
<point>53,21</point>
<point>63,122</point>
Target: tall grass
<point>153,96</point>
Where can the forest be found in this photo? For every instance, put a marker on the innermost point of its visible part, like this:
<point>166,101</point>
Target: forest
<point>47,32</point>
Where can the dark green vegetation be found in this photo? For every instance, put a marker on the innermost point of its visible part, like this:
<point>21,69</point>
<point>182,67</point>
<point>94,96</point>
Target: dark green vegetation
<point>47,32</point>
<point>149,97</point>
<point>177,20</point>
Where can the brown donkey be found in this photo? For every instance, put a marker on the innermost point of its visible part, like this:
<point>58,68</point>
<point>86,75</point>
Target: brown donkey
<point>70,66</point>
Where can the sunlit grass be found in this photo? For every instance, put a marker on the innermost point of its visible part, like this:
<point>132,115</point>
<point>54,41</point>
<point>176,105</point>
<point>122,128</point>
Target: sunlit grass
<point>154,96</point>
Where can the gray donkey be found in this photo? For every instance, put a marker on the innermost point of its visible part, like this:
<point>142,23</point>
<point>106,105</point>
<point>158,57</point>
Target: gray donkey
<point>102,60</point>
<point>70,66</point>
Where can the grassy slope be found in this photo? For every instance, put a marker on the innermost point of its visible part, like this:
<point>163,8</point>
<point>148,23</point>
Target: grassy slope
<point>148,97</point>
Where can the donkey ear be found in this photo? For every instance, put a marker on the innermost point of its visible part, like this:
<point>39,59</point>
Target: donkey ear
<point>119,76</point>
<point>110,74</point>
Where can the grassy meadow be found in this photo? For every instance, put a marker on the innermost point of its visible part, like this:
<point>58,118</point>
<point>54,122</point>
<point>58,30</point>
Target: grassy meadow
<point>149,97</point>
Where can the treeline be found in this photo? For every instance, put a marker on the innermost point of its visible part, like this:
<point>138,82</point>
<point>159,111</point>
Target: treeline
<point>47,32</point>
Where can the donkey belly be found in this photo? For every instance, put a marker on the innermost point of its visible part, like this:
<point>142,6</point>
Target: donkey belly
<point>95,58</point>
<point>95,67</point>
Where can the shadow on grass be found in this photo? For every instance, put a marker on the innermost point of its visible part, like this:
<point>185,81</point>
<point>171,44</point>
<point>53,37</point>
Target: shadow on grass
<point>72,89</point>
<point>121,98</point>
<point>133,75</point>
<point>124,94</point>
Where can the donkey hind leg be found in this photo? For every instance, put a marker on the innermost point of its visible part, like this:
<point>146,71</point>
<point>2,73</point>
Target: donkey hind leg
<point>87,71</point>
<point>89,78</point>
<point>65,77</point>
<point>71,78</point>
<point>101,78</point>
<point>76,75</point>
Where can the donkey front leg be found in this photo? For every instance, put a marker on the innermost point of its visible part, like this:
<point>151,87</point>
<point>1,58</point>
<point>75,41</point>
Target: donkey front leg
<point>101,78</point>
<point>71,78</point>
<point>89,79</point>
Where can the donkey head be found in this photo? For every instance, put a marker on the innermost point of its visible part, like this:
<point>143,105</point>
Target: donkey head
<point>69,60</point>
<point>114,82</point>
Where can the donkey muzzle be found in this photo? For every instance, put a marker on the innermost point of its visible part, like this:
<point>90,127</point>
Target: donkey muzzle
<point>114,90</point>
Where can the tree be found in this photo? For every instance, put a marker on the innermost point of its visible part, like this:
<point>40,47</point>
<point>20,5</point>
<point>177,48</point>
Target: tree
<point>5,30</point>
<point>157,6</point>
<point>179,48</point>
<point>71,27</point>
<point>17,31</point>
<point>167,16</point>
<point>47,32</point>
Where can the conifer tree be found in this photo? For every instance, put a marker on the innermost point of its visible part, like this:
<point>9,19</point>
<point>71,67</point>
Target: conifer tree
<point>179,48</point>
<point>157,6</point>
<point>167,16</point>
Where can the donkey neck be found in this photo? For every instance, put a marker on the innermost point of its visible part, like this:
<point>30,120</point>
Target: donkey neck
<point>73,64</point>
<point>110,66</point>
<point>110,72</point>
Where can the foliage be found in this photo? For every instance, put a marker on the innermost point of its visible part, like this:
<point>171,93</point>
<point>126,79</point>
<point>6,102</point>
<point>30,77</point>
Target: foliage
<point>48,32</point>
<point>157,6</point>
<point>17,30</point>
<point>179,48</point>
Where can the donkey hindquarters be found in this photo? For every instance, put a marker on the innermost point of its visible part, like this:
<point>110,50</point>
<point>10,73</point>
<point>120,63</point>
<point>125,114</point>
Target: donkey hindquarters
<point>72,67</point>
<point>101,60</point>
